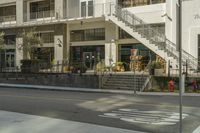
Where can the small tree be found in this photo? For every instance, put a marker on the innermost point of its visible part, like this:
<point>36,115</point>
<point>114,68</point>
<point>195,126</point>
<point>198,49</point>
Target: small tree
<point>31,40</point>
<point>2,44</point>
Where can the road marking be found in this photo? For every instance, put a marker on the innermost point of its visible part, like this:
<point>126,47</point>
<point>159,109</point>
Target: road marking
<point>197,130</point>
<point>11,122</point>
<point>145,117</point>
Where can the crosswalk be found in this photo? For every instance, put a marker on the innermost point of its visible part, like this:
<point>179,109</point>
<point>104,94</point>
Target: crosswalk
<point>11,122</point>
<point>145,117</point>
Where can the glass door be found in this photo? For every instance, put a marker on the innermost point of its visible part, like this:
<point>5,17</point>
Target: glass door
<point>87,59</point>
<point>90,8</point>
<point>10,59</point>
<point>83,9</point>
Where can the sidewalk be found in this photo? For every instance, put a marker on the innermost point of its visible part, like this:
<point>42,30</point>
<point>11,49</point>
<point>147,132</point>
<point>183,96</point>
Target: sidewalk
<point>58,88</point>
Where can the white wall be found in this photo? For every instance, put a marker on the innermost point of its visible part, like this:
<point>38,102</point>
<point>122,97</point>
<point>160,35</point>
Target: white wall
<point>191,26</point>
<point>58,47</point>
<point>150,13</point>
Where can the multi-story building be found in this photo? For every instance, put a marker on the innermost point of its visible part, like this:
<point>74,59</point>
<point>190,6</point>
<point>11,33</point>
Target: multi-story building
<point>87,30</point>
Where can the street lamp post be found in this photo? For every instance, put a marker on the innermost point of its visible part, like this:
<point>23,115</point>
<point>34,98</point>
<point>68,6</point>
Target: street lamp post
<point>181,82</point>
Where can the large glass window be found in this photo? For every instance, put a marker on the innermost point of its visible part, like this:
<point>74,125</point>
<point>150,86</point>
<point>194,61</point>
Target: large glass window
<point>83,9</point>
<point>42,9</point>
<point>89,55</point>
<point>8,13</point>
<point>87,8</point>
<point>87,35</point>
<point>45,55</point>
<point>10,39</point>
<point>47,37</point>
<point>90,8</point>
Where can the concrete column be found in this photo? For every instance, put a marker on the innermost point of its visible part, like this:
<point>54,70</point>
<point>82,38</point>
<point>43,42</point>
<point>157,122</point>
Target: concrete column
<point>19,51</point>
<point>110,53</point>
<point>68,42</point>
<point>58,47</point>
<point>59,11</point>
<point>19,11</point>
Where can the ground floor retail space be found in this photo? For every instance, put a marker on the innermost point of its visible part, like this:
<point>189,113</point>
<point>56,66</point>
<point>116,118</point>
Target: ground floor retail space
<point>88,55</point>
<point>133,54</point>
<point>91,55</point>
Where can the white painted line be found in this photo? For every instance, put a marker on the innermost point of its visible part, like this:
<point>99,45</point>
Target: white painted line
<point>197,130</point>
<point>11,122</point>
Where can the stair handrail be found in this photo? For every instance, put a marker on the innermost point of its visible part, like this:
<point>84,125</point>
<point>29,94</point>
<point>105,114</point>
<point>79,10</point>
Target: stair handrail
<point>148,30</point>
<point>186,56</point>
<point>168,45</point>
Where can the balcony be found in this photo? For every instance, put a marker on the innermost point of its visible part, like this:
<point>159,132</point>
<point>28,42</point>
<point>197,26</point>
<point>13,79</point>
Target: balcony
<point>40,16</point>
<point>134,3</point>
<point>10,18</point>
<point>7,15</point>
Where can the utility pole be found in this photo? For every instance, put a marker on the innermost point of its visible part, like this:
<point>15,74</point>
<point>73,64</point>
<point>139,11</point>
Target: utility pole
<point>181,83</point>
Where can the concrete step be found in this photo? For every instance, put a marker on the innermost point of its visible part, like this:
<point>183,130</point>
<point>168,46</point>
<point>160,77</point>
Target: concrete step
<point>120,88</point>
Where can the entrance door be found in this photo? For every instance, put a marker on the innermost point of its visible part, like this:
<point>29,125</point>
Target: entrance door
<point>10,59</point>
<point>87,59</point>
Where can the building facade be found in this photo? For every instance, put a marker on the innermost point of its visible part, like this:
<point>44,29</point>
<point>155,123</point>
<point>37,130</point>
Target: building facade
<point>90,31</point>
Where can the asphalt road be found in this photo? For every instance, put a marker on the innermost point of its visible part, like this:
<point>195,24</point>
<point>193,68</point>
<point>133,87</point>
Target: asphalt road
<point>156,114</point>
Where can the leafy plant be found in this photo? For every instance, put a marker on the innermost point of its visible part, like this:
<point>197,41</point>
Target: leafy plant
<point>156,65</point>
<point>2,40</point>
<point>31,40</point>
<point>119,64</point>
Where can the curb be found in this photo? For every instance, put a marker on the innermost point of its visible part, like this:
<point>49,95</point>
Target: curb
<point>57,88</point>
<point>127,92</point>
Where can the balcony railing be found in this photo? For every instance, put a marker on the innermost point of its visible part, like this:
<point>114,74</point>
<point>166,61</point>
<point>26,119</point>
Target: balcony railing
<point>134,3</point>
<point>7,18</point>
<point>40,15</point>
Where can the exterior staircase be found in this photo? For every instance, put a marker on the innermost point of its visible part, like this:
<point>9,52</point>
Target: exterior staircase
<point>152,38</point>
<point>125,82</point>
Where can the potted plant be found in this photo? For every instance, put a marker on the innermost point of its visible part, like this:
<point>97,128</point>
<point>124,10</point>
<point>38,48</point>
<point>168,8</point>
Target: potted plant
<point>156,68</point>
<point>120,67</point>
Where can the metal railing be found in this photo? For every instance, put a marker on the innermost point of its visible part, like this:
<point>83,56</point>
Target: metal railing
<point>134,3</point>
<point>154,35</point>
<point>7,18</point>
<point>40,15</point>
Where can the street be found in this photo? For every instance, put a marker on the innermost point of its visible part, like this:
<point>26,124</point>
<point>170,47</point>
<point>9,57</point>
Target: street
<point>154,114</point>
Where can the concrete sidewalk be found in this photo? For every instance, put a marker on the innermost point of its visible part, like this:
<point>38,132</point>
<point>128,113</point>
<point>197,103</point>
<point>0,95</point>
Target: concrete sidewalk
<point>58,88</point>
<point>11,122</point>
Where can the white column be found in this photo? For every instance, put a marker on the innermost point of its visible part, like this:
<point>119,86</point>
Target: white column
<point>58,47</point>
<point>59,9</point>
<point>19,51</point>
<point>19,11</point>
<point>110,53</point>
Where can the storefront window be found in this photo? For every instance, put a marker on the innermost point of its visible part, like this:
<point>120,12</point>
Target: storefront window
<point>10,39</point>
<point>125,52</point>
<point>88,55</point>
<point>44,55</point>
<point>47,37</point>
<point>87,35</point>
